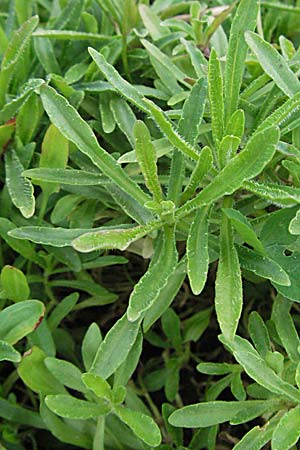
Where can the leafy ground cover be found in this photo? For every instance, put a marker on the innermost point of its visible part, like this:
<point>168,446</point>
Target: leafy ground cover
<point>149,224</point>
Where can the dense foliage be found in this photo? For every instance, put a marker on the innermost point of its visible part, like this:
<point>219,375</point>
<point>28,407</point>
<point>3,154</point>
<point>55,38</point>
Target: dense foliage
<point>149,224</point>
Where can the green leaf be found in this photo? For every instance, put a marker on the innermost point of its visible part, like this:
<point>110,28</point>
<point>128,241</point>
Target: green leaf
<point>124,372</point>
<point>273,64</point>
<point>122,86</point>
<point>11,107</point>
<point>63,431</point>
<point>8,353</point>
<point>258,370</point>
<point>73,408</point>
<point>197,251</point>
<point>294,226</point>
<point>276,193</point>
<point>207,414</point>
<point>215,89</point>
<point>244,228</point>
<point>283,116</point>
<point>20,189</point>
<point>66,176</point>
<point>90,344</point>
<point>146,291</point>
<point>71,35</point>
<point>285,327</point>
<point>236,124</point>
<point>123,116</point>
<point>15,284</point>
<point>115,347</point>
<point>287,432</point>
<point>45,52</point>
<point>54,154</point>
<point>36,376</point>
<point>146,157</point>
<point>76,130</point>
<point>244,20</point>
<point>169,131</point>
<point>14,53</point>
<point>202,167</point>
<point>259,334</point>
<point>15,413</point>
<point>245,165</point>
<point>143,426</point>
<point>18,320</point>
<point>256,438</point>
<point>98,385</point>
<point>117,238</point>
<point>65,372</point>
<point>152,22</point>
<point>229,291</point>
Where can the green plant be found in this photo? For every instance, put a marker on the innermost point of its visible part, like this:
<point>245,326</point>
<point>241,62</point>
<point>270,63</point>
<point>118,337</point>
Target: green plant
<point>145,130</point>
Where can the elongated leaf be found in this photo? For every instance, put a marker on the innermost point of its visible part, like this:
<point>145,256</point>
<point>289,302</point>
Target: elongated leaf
<point>244,228</point>
<point>197,251</point>
<point>14,283</point>
<point>118,238</point>
<point>123,116</point>
<point>244,20</point>
<point>14,53</point>
<point>229,291</point>
<point>278,194</point>
<point>65,372</point>
<point>215,89</point>
<point>73,408</point>
<point>287,432</point>
<point>262,266</point>
<point>153,281</point>
<point>8,353</point>
<point>90,344</point>
<point>203,166</point>
<point>66,176</point>
<point>244,166</point>
<point>152,22</point>
<point>122,86</point>
<point>283,116</point>
<point>46,55</point>
<point>73,36</point>
<point>273,64</point>
<point>256,438</point>
<point>258,370</point>
<point>259,334</point>
<point>143,426</point>
<point>209,413</point>
<point>146,157</point>
<point>10,108</point>
<point>19,188</point>
<point>15,413</point>
<point>115,347</point>
<point>18,320</point>
<point>73,127</point>
<point>170,132</point>
<point>285,327</point>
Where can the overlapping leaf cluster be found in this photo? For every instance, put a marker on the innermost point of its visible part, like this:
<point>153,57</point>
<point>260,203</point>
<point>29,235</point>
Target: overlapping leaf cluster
<point>168,134</point>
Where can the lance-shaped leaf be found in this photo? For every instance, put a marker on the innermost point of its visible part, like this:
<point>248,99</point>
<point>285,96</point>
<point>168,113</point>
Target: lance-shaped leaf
<point>169,131</point>
<point>259,334</point>
<point>277,194</point>
<point>18,320</point>
<point>236,124</point>
<point>122,86</point>
<point>244,166</point>
<point>10,108</point>
<point>20,189</point>
<point>146,157</point>
<point>197,251</point>
<point>244,228</point>
<point>141,424</point>
<point>287,432</point>
<point>244,20</point>
<point>282,116</point>
<point>229,290</point>
<point>210,413</point>
<point>73,408</point>
<point>215,89</point>
<point>202,167</point>
<point>66,176</point>
<point>258,370</point>
<point>76,130</point>
<point>118,238</point>
<point>273,64</point>
<point>153,281</point>
<point>71,35</point>
<point>257,437</point>
<point>14,53</point>
<point>115,347</point>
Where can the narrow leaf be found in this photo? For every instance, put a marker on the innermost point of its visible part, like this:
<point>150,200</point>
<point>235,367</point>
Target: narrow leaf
<point>73,408</point>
